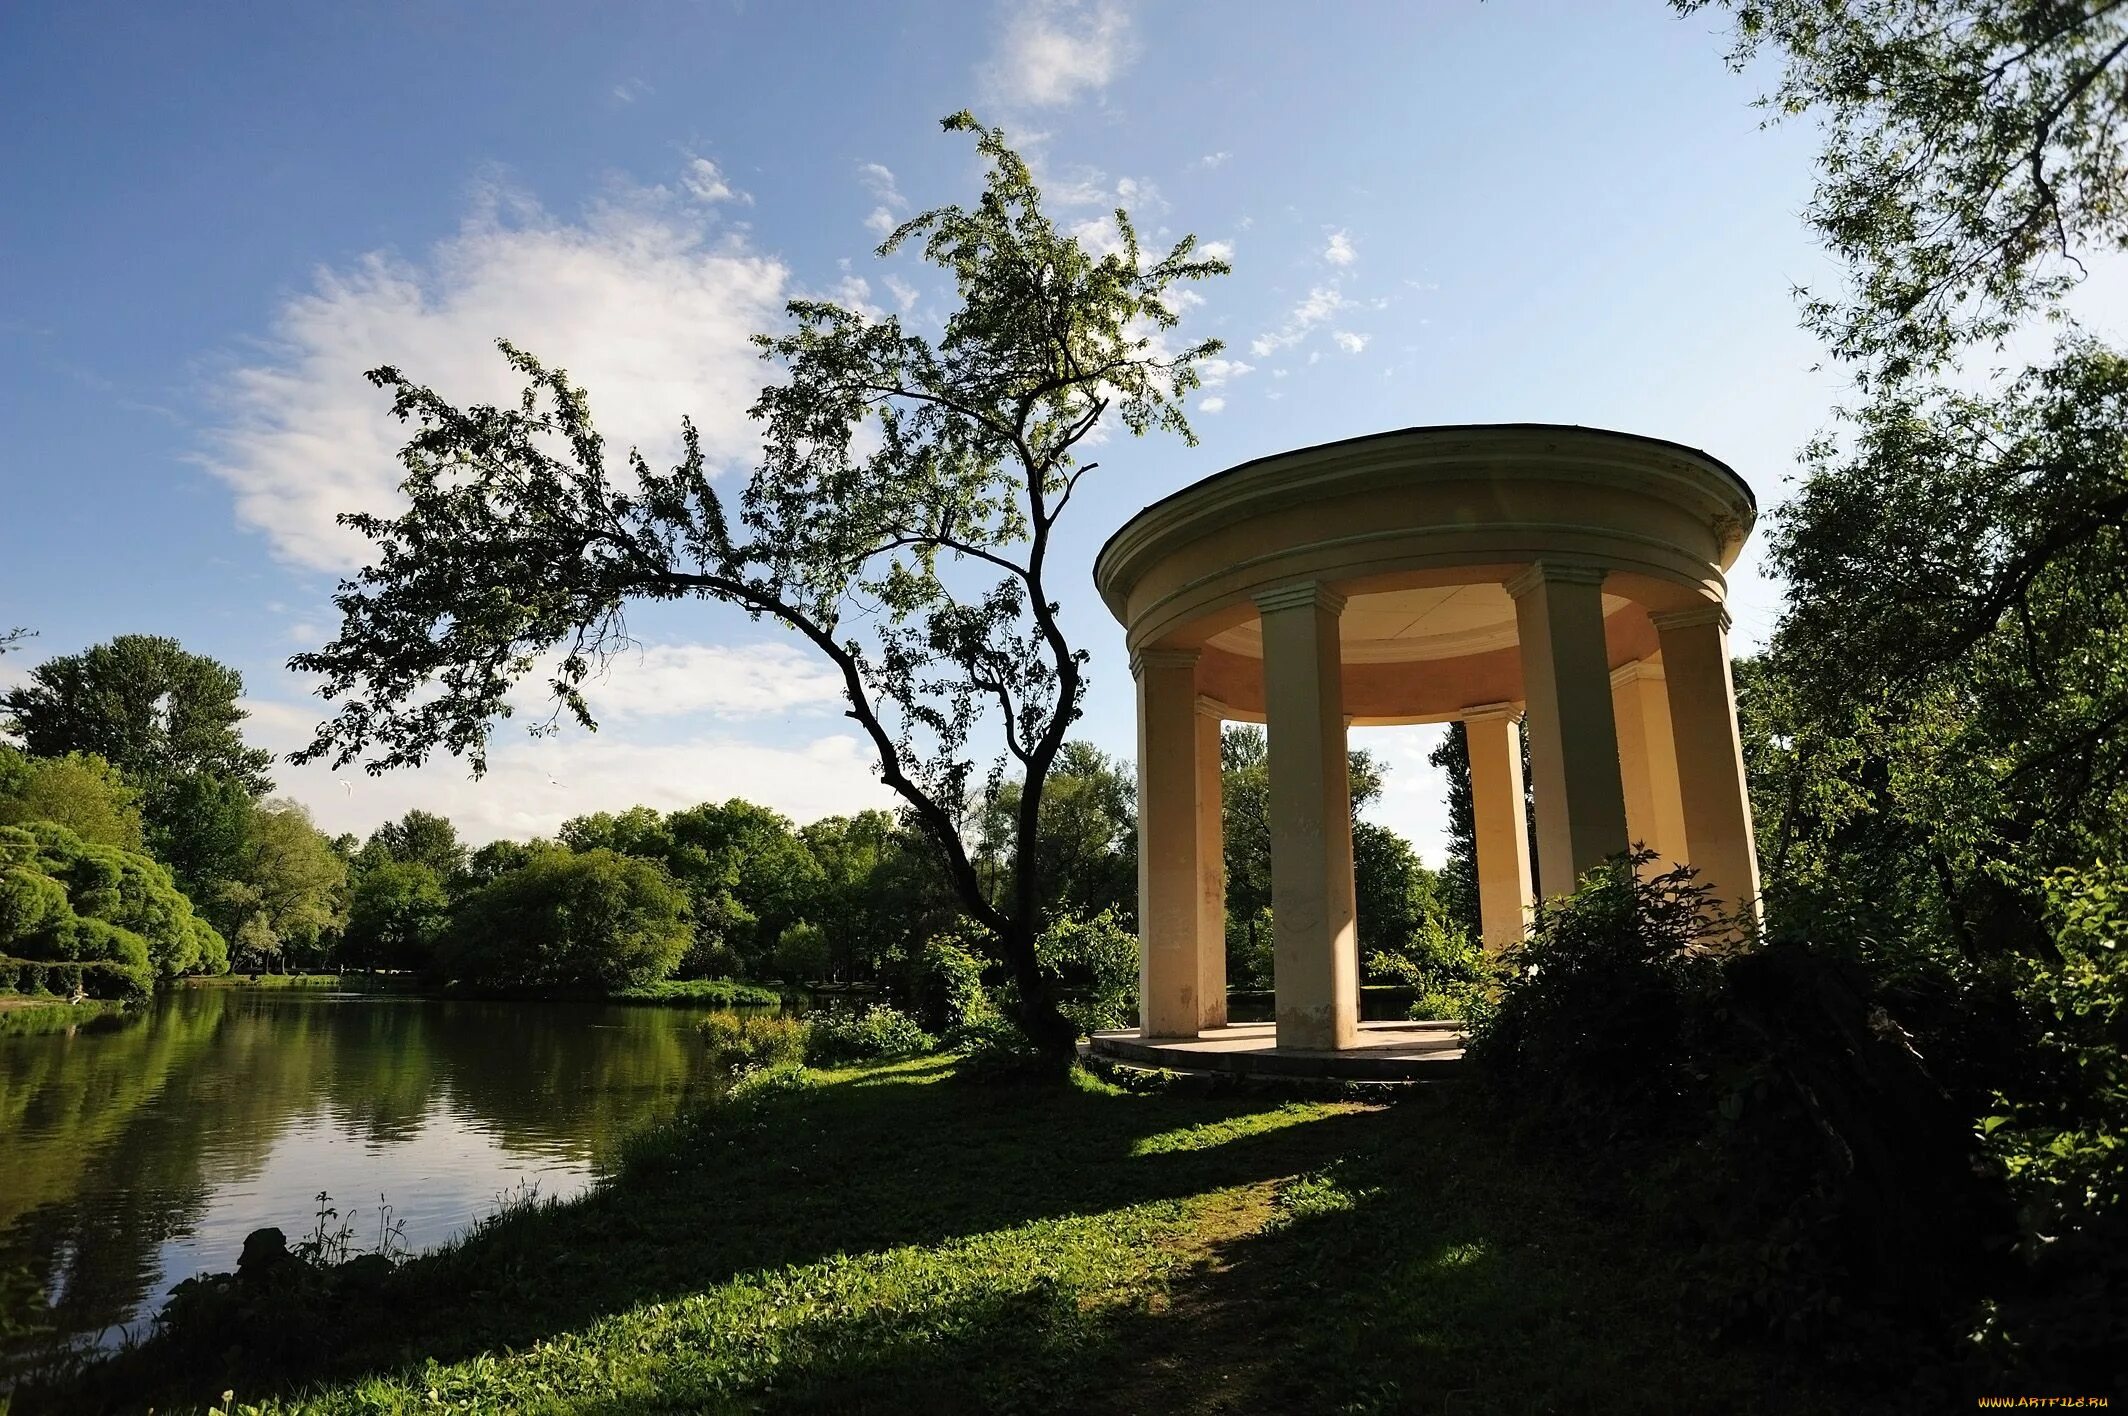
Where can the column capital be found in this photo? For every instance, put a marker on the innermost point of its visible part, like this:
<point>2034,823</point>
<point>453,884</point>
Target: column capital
<point>1714,614</point>
<point>1634,672</point>
<point>1487,713</point>
<point>1309,594</point>
<point>1143,659</point>
<point>1210,707</point>
<point>1556,572</point>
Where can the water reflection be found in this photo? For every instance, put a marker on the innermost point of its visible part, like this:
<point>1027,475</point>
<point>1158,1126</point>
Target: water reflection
<point>135,1156</point>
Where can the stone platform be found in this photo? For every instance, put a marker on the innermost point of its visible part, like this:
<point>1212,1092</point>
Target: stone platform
<point>1387,1052</point>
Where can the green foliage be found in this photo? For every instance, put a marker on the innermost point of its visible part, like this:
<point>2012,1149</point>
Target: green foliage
<point>2064,1143</point>
<point>144,705</point>
<point>753,1039</point>
<point>79,791</point>
<point>113,912</point>
<point>1600,994</point>
<point>1449,974</point>
<point>1086,835</point>
<point>1456,883</point>
<point>877,1033</point>
<point>285,905</point>
<point>801,952</point>
<point>418,838</point>
<point>718,992</point>
<point>592,920</point>
<point>1972,152</point>
<point>948,990</point>
<point>1095,964</point>
<point>396,914</point>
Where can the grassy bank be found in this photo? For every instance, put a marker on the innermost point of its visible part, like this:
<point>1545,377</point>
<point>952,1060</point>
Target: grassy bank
<point>32,1015</point>
<point>707,992</point>
<point>895,1238</point>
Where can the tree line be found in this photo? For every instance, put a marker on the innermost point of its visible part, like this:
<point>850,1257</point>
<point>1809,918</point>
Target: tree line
<point>141,836</point>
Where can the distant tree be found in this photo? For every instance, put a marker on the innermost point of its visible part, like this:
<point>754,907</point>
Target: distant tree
<point>592,920</point>
<point>1245,792</point>
<point>286,900</point>
<point>916,481</point>
<point>801,953</point>
<point>1088,836</point>
<point>396,911</point>
<point>420,838</point>
<point>1394,893</point>
<point>1457,880</point>
<point>79,791</point>
<point>153,711</point>
<point>496,859</point>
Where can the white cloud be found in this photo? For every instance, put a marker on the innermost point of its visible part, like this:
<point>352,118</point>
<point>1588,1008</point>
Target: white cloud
<point>667,680</point>
<point>1052,51</point>
<point>1216,371</point>
<point>704,181</point>
<point>534,784</point>
<point>1349,342</point>
<point>1339,252</point>
<point>904,293</point>
<point>1216,250</point>
<point>1318,305</point>
<point>1214,404</point>
<point>1099,236</point>
<point>629,90</point>
<point>636,299</point>
<point>879,181</point>
<point>1214,159</point>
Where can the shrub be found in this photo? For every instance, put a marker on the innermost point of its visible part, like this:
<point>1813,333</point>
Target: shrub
<point>744,1040</point>
<point>879,1033</point>
<point>948,987</point>
<point>62,900</point>
<point>2065,1146</point>
<point>1094,963</point>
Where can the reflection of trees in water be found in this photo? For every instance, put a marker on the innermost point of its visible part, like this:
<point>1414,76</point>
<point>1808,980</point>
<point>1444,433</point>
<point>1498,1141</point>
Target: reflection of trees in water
<point>117,1138</point>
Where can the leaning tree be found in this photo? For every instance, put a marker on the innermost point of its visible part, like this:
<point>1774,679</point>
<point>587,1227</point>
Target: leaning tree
<point>901,520</point>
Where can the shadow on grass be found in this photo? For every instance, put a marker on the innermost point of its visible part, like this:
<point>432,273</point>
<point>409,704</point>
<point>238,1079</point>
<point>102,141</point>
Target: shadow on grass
<point>900,1241</point>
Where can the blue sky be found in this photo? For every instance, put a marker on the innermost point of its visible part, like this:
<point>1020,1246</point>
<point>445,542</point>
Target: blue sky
<point>217,216</point>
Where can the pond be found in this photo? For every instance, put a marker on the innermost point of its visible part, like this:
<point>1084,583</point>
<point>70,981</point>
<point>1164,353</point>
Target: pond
<point>137,1152</point>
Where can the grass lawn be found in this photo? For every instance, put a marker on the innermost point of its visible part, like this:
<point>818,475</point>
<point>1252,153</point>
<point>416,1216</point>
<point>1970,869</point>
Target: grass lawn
<point>900,1239</point>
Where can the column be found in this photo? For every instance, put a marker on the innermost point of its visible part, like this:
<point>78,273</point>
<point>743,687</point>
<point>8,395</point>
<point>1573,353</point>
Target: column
<point>1314,945</point>
<point>1647,761</point>
<point>1211,871</point>
<point>1167,842</point>
<point>1566,678</point>
<point>1710,756</point>
<point>1494,741</point>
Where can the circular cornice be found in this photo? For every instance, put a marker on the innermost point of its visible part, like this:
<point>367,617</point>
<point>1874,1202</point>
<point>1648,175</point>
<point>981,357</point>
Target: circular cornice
<point>1504,451</point>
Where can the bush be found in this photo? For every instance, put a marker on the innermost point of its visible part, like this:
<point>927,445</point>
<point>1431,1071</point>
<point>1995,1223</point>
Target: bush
<point>878,1034</point>
<point>801,953</point>
<point>948,986</point>
<point>2065,1147</point>
<point>62,900</point>
<point>745,1040</point>
<point>1094,963</point>
<point>1764,1101</point>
